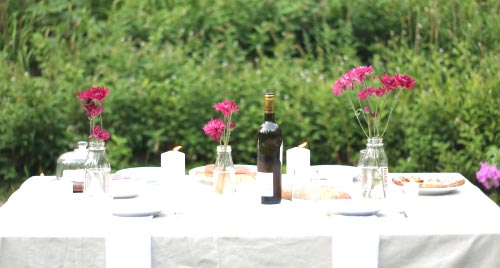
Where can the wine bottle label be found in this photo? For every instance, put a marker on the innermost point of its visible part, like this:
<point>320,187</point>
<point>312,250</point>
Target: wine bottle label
<point>265,183</point>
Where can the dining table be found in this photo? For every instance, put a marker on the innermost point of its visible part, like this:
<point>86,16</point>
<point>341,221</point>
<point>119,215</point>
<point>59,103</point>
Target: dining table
<point>164,220</point>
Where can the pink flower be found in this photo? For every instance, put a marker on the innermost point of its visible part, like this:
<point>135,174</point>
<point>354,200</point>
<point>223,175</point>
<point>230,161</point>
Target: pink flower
<point>226,107</point>
<point>347,80</point>
<point>214,129</point>
<point>404,81</point>
<point>389,82</point>
<point>220,129</point>
<point>94,93</point>
<point>99,133</point>
<point>340,85</point>
<point>363,94</point>
<point>372,99</point>
<point>488,175</point>
<point>379,92</point>
<point>358,74</point>
<point>92,109</point>
<point>92,104</point>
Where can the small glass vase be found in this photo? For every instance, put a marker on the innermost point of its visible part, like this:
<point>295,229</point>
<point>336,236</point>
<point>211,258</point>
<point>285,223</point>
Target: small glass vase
<point>97,170</point>
<point>374,170</point>
<point>224,175</point>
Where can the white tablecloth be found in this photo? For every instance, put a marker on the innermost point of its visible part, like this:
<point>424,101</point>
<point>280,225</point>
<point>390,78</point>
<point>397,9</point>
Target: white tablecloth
<point>199,229</point>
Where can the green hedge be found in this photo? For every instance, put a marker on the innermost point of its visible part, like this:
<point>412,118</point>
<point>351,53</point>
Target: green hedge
<point>167,62</point>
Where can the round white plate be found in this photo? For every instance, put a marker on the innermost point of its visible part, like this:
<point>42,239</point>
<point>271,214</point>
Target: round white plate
<point>438,191</point>
<point>129,193</point>
<point>143,173</point>
<point>351,207</point>
<point>136,207</point>
<point>123,187</point>
<point>432,191</point>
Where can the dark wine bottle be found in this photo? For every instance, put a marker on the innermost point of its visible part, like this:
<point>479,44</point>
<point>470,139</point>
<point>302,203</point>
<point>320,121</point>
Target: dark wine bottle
<point>269,155</point>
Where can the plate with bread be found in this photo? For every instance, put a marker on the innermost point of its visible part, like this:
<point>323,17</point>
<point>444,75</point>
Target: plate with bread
<point>430,183</point>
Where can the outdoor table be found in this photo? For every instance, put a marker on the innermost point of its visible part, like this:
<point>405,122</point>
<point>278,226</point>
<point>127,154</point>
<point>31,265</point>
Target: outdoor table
<point>44,225</point>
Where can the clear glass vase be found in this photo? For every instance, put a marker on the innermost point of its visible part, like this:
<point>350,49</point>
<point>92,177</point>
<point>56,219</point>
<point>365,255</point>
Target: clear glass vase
<point>97,170</point>
<point>71,165</point>
<point>224,175</point>
<point>374,170</point>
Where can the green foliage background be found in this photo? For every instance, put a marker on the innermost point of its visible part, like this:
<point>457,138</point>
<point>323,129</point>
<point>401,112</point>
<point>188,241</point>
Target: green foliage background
<point>167,62</point>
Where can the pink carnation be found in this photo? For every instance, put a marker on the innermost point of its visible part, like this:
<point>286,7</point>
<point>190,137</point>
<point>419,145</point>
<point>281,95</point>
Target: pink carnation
<point>94,93</point>
<point>404,81</point>
<point>389,82</point>
<point>347,80</point>
<point>226,107</point>
<point>363,94</point>
<point>370,97</point>
<point>92,109</point>
<point>358,74</point>
<point>99,133</point>
<point>340,85</point>
<point>214,128</point>
<point>379,92</point>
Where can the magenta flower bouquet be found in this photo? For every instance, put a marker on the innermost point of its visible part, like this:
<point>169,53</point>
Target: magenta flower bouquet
<point>371,103</point>
<point>92,104</point>
<point>220,129</point>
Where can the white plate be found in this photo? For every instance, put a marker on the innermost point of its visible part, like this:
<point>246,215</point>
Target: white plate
<point>433,191</point>
<point>129,193</point>
<point>352,207</point>
<point>124,187</point>
<point>136,207</point>
<point>438,191</point>
<point>143,173</point>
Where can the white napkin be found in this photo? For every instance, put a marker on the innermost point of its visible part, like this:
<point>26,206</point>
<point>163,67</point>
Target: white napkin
<point>128,243</point>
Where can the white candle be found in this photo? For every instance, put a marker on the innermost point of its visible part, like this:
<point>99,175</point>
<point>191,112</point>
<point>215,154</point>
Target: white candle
<point>298,161</point>
<point>174,162</point>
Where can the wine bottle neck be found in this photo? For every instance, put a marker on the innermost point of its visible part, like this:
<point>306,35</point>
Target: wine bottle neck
<point>269,117</point>
<point>269,107</point>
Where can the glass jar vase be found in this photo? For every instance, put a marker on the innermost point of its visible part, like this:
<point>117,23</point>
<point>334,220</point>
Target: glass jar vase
<point>224,175</point>
<point>71,165</point>
<point>374,170</point>
<point>97,170</point>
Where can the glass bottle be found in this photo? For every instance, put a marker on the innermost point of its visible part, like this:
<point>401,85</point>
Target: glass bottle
<point>269,155</point>
<point>224,175</point>
<point>374,170</point>
<point>71,165</point>
<point>97,170</point>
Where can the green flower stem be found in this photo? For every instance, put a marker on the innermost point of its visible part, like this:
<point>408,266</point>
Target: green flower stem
<point>357,116</point>
<point>390,113</point>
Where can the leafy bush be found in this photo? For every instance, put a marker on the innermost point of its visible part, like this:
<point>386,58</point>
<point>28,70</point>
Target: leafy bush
<point>167,62</point>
